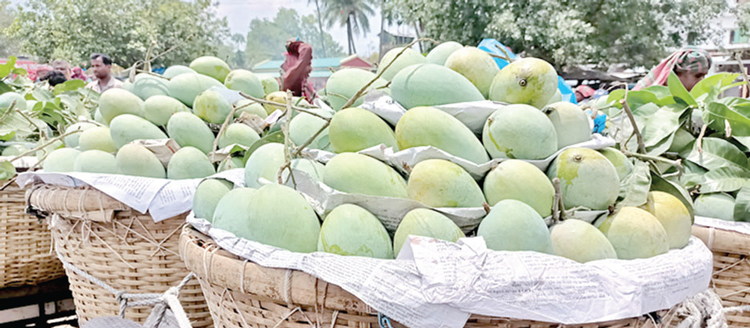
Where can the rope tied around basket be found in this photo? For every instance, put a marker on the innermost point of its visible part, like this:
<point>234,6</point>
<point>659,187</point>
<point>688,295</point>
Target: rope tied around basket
<point>161,302</point>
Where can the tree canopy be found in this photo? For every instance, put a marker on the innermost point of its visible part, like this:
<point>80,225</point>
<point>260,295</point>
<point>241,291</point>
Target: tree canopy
<point>123,29</point>
<point>7,15</point>
<point>636,32</point>
<point>266,38</point>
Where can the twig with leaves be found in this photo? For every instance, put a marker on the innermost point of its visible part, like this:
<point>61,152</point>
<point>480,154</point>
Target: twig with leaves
<point>636,131</point>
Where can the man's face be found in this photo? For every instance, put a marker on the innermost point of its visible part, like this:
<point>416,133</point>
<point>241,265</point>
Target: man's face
<point>100,70</point>
<point>62,68</point>
<point>689,80</point>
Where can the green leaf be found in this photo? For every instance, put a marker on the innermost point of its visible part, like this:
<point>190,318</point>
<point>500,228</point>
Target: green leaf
<point>7,68</point>
<point>717,80</point>
<point>745,141</point>
<point>661,147</point>
<point>718,153</point>
<point>660,184</point>
<point>4,88</point>
<point>719,114</point>
<point>659,91</point>
<point>42,94</point>
<point>641,97</point>
<point>19,71</point>
<point>7,170</point>
<point>615,97</point>
<point>7,136</point>
<point>635,187</point>
<point>724,179</point>
<point>742,204</point>
<point>678,90</point>
<point>71,85</point>
<point>277,137</point>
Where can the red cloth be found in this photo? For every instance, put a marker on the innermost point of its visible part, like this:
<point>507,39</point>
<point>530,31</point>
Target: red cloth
<point>297,67</point>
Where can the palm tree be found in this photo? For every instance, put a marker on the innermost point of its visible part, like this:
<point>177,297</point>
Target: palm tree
<point>350,13</point>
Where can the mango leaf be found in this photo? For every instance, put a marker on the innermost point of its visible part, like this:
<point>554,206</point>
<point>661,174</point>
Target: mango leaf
<point>7,136</point>
<point>660,125</point>
<point>662,146</point>
<point>277,137</point>
<point>726,179</point>
<point>718,114</point>
<point>661,184</point>
<point>745,141</point>
<point>641,97</point>
<point>635,187</point>
<point>71,85</point>
<point>4,88</point>
<point>678,90</point>
<point>7,68</point>
<point>659,91</point>
<point>41,94</point>
<point>19,71</point>
<point>7,170</point>
<point>718,153</point>
<point>719,81</point>
<point>615,97</point>
<point>742,204</point>
<point>49,112</point>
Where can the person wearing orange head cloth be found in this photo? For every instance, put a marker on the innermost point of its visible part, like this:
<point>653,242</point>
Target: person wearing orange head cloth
<point>689,64</point>
<point>296,69</point>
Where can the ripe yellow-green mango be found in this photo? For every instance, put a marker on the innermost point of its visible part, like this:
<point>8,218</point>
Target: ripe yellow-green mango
<point>408,58</point>
<point>211,66</point>
<point>189,163</point>
<point>269,84</point>
<point>635,234</point>
<point>264,162</point>
<point>211,107</point>
<point>44,151</point>
<point>344,84</point>
<point>475,65</point>
<point>175,70</point>
<point>673,216</point>
<point>280,97</point>
<point>440,54</point>
<point>126,128</point>
<point>350,230</point>
<point>310,167</point>
<point>116,101</point>
<point>361,174</point>
<point>355,129</point>
<point>304,126</point>
<point>440,183</point>
<point>514,226</point>
<point>185,87</point>
<point>519,180</point>
<point>98,118</point>
<point>251,107</point>
<point>529,81</point>
<point>160,108</point>
<point>137,160</point>
<point>238,133</point>
<point>61,160</point>
<point>426,223</point>
<point>520,132</point>
<point>581,242</point>
<point>189,130</point>
<point>622,164</point>
<point>207,195</point>
<point>246,82</point>
<point>432,85</point>
<point>427,126</point>
<point>99,138</point>
<point>570,122</point>
<point>715,205</point>
<point>274,215</point>
<point>587,178</point>
<point>96,161</point>
<point>227,213</point>
<point>146,86</point>
<point>72,139</point>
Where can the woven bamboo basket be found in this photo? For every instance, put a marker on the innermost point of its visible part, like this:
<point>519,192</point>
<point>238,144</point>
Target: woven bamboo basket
<point>243,294</point>
<point>731,276</point>
<point>121,247</point>
<point>26,256</point>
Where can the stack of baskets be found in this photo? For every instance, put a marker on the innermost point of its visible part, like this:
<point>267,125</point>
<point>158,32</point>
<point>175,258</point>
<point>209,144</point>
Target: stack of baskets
<point>26,256</point>
<point>731,275</point>
<point>119,246</point>
<point>244,294</point>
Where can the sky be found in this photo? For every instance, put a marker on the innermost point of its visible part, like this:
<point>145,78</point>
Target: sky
<point>239,13</point>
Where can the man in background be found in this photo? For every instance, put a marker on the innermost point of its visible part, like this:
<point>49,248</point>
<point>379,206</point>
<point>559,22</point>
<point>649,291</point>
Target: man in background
<point>101,65</point>
<point>296,69</point>
<point>62,67</point>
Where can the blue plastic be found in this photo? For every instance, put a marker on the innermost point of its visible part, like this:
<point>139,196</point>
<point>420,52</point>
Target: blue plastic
<point>491,46</point>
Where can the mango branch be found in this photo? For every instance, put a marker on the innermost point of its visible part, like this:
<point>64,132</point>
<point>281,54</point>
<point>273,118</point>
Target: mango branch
<point>310,141</point>
<point>742,69</point>
<point>51,141</point>
<point>385,68</point>
<point>285,130</point>
<point>636,131</point>
<point>224,126</point>
<point>273,103</point>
